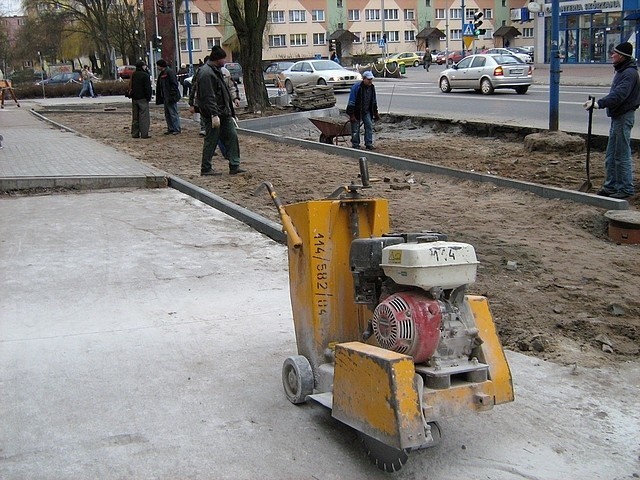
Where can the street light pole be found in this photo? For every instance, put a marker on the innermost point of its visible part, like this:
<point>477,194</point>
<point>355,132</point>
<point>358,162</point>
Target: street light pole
<point>41,74</point>
<point>554,67</point>
<point>187,14</point>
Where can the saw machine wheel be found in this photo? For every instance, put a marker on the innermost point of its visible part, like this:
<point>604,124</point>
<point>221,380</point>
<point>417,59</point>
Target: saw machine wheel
<point>297,379</point>
<point>385,457</point>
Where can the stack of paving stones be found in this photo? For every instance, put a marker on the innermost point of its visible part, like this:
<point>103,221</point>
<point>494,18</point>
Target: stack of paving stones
<point>313,97</point>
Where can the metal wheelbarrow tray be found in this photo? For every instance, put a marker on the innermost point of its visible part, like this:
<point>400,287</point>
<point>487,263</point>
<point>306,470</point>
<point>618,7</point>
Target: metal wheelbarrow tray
<point>332,129</point>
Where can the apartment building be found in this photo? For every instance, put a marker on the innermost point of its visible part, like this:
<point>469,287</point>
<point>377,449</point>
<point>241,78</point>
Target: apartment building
<point>305,29</point>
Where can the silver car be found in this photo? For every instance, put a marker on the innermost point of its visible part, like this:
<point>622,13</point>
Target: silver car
<point>319,72</point>
<point>485,73</point>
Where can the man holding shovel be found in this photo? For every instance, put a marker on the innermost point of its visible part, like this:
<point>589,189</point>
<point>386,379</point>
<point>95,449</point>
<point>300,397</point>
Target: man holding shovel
<point>621,104</point>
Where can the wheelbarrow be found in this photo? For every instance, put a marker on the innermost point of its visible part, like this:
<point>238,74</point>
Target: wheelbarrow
<point>332,129</point>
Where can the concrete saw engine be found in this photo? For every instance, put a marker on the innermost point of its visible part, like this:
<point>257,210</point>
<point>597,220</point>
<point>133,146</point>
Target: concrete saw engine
<point>416,291</point>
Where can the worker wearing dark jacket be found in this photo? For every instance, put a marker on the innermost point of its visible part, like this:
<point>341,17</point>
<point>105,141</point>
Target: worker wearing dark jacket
<point>621,104</point>
<point>140,93</point>
<point>217,107</point>
<point>363,105</point>
<point>167,94</point>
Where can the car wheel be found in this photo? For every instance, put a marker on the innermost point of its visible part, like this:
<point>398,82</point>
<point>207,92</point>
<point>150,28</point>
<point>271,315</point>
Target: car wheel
<point>416,63</point>
<point>445,86</point>
<point>485,86</point>
<point>289,86</point>
<point>522,90</point>
<point>322,81</point>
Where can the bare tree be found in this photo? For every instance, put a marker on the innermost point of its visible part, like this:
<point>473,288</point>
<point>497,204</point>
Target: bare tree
<point>89,16</point>
<point>249,20</point>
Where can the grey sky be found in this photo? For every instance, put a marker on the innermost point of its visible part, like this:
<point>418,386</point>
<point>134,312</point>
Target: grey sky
<point>10,7</point>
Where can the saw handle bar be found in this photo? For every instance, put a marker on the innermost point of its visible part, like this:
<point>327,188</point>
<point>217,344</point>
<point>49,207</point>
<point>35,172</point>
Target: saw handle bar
<point>287,224</point>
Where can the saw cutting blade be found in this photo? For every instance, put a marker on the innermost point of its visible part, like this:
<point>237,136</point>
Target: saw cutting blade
<point>385,457</point>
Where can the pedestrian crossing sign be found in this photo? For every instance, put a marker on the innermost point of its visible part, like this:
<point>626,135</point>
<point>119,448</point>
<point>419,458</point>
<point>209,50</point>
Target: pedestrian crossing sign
<point>468,30</point>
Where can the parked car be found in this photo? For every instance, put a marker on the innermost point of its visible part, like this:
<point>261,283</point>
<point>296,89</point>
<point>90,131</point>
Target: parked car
<point>274,69</point>
<point>409,59</point>
<point>524,51</point>
<point>62,78</point>
<point>126,71</point>
<point>504,51</point>
<point>487,72</point>
<point>451,58</point>
<point>235,69</point>
<point>319,72</point>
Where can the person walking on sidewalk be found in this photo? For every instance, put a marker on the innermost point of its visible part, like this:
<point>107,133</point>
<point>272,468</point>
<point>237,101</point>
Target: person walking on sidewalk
<point>217,107</point>
<point>140,93</point>
<point>426,60</point>
<point>621,103</point>
<point>167,94</point>
<point>87,86</point>
<point>363,105</point>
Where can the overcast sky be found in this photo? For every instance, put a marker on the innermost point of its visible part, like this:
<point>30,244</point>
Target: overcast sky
<point>10,7</point>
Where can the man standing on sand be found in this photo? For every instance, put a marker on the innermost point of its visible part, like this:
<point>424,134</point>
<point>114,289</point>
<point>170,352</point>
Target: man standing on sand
<point>140,92</point>
<point>363,106</point>
<point>167,94</point>
<point>621,104</point>
<point>217,108</point>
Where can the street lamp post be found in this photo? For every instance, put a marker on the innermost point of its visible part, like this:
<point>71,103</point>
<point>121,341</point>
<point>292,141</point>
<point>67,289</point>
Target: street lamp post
<point>41,74</point>
<point>187,15</point>
<point>554,67</point>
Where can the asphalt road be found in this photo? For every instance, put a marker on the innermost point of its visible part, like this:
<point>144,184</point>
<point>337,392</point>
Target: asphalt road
<point>418,93</point>
<point>504,107</point>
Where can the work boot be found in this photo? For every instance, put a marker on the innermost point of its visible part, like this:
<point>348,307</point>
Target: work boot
<point>620,195</point>
<point>604,192</point>
<point>207,173</point>
<point>236,170</point>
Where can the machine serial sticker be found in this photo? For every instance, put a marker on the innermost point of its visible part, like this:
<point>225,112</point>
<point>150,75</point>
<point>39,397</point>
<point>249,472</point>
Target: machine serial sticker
<point>322,267</point>
<point>395,256</point>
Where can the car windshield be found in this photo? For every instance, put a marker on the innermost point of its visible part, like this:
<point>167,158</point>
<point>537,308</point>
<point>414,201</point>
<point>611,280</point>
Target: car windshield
<point>326,65</point>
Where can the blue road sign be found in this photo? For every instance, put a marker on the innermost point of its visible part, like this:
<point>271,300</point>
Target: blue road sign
<point>381,43</point>
<point>468,30</point>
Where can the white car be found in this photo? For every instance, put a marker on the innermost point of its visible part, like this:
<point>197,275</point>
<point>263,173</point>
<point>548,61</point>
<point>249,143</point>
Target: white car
<point>504,51</point>
<point>319,72</point>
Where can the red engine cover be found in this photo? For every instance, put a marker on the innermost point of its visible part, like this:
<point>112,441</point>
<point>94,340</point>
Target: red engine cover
<point>409,323</point>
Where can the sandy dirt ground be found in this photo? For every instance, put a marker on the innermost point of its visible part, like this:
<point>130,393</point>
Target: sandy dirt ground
<point>574,295</point>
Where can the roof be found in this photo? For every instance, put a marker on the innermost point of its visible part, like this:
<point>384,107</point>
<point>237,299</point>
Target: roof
<point>430,32</point>
<point>343,36</point>
<point>507,31</point>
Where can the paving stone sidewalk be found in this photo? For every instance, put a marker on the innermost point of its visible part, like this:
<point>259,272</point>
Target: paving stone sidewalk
<point>36,154</point>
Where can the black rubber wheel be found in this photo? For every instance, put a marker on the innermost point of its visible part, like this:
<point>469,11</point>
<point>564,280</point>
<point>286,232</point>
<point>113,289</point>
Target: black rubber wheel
<point>322,81</point>
<point>416,63</point>
<point>297,379</point>
<point>522,90</point>
<point>289,86</point>
<point>445,86</point>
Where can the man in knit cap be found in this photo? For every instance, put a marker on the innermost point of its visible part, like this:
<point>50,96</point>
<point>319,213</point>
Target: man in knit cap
<point>216,105</point>
<point>621,103</point>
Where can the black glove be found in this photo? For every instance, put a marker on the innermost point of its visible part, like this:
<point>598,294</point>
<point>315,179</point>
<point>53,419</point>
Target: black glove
<point>352,118</point>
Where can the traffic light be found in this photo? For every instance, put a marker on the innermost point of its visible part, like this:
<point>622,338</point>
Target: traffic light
<point>476,24</point>
<point>332,45</point>
<point>157,43</point>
